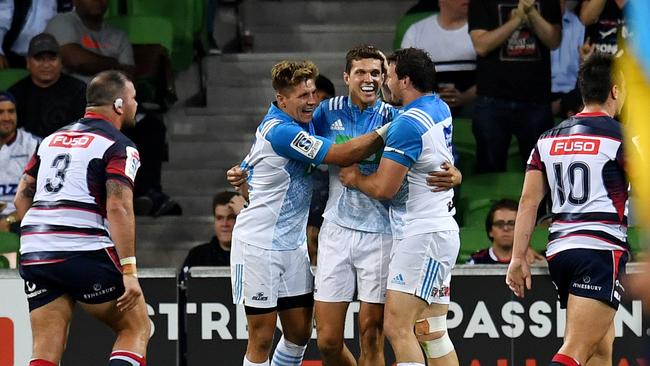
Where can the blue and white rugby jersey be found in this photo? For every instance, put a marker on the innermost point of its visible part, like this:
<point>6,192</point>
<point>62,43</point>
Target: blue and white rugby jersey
<point>339,120</point>
<point>279,182</point>
<point>420,139</point>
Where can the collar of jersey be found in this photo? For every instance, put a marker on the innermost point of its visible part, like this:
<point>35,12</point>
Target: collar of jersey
<point>276,112</point>
<point>420,100</point>
<point>369,109</point>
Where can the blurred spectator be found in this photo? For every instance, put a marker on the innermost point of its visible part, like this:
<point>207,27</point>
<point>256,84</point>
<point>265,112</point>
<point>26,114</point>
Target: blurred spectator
<point>565,62</point>
<point>512,40</point>
<point>225,208</point>
<point>500,229</point>
<point>47,99</point>
<point>445,37</point>
<point>20,21</point>
<point>605,22</point>
<point>324,90</point>
<point>16,148</point>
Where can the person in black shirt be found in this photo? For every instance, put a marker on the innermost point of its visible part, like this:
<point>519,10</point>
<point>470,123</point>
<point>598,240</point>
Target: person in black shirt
<point>47,99</point>
<point>513,40</point>
<point>225,207</point>
<point>605,22</point>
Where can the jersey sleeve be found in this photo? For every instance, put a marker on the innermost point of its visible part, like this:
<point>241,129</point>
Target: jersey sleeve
<point>122,163</point>
<point>33,164</point>
<point>292,142</point>
<point>535,160</point>
<point>403,142</point>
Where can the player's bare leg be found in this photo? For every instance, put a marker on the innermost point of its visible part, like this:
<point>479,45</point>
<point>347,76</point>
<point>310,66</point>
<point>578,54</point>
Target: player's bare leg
<point>297,326</point>
<point>50,329</point>
<point>132,326</point>
<point>401,312</point>
<point>603,354</point>
<point>425,334</point>
<point>260,336</point>
<point>330,324</point>
<point>587,322</point>
<point>371,324</point>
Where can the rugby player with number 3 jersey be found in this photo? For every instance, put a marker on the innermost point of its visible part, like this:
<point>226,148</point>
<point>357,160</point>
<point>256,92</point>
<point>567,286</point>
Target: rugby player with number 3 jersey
<point>580,163</point>
<point>78,231</point>
<point>425,235</point>
<point>270,269</point>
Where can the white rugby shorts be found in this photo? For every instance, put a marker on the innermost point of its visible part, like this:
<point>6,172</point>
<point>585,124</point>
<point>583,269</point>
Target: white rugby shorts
<point>349,259</point>
<point>421,265</point>
<point>260,276</point>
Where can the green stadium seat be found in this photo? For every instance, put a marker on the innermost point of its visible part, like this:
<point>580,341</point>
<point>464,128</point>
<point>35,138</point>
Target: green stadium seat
<point>142,29</point>
<point>9,242</point>
<point>9,77</point>
<point>539,239</point>
<point>492,186</point>
<point>403,25</point>
<point>4,262</point>
<point>472,239</point>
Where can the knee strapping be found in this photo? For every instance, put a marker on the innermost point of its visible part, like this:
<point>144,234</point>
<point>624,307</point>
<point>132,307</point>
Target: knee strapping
<point>441,346</point>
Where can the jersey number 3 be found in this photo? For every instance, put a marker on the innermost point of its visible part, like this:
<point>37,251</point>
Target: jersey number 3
<point>572,171</point>
<point>60,163</point>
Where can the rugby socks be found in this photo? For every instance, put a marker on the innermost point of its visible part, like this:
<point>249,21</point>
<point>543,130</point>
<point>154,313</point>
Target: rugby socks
<point>248,363</point>
<point>288,354</point>
<point>40,362</point>
<point>126,358</point>
<point>563,360</point>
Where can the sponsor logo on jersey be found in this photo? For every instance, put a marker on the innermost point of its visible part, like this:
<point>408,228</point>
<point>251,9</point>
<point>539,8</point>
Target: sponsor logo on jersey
<point>575,146</point>
<point>306,144</point>
<point>71,140</point>
<point>337,125</point>
<point>132,162</point>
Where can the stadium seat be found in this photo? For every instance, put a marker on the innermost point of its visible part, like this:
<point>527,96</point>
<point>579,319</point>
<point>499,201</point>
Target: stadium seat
<point>9,77</point>
<point>145,29</point>
<point>492,186</point>
<point>9,243</point>
<point>403,25</point>
<point>472,239</point>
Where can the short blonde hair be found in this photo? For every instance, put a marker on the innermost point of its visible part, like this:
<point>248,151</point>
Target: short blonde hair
<point>287,74</point>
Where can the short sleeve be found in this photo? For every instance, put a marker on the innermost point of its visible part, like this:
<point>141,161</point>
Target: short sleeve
<point>292,142</point>
<point>33,164</point>
<point>122,163</point>
<point>409,39</point>
<point>319,119</point>
<point>63,30</point>
<point>478,16</point>
<point>535,160</point>
<point>403,142</point>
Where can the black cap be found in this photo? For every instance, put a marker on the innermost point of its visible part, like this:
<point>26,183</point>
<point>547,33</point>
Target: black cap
<point>43,42</point>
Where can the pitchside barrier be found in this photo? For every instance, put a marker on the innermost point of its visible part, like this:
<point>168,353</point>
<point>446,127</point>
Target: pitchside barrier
<point>488,325</point>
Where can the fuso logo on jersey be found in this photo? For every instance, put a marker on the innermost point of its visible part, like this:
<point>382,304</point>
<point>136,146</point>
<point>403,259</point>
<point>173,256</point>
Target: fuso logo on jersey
<point>71,140</point>
<point>575,146</point>
<point>306,144</point>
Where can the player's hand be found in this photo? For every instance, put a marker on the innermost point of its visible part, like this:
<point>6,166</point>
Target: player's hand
<point>518,277</point>
<point>587,49</point>
<point>449,177</point>
<point>348,175</point>
<point>532,256</point>
<point>237,203</point>
<point>236,176</point>
<point>132,293</point>
<point>3,62</point>
<point>452,96</point>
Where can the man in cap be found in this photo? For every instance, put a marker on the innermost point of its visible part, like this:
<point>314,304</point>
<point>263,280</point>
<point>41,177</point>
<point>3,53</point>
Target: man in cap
<point>47,99</point>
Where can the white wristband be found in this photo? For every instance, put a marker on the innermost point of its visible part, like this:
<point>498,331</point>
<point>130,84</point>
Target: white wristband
<point>383,130</point>
<point>127,260</point>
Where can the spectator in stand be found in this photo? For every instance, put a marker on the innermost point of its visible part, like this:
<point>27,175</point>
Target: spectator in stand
<point>16,147</point>
<point>565,62</point>
<point>20,21</point>
<point>225,208</point>
<point>445,37</point>
<point>513,40</point>
<point>500,227</point>
<point>87,46</point>
<point>605,22</point>
<point>47,99</point>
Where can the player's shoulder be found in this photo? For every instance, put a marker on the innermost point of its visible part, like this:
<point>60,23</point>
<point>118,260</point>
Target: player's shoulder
<point>338,103</point>
<point>595,126</point>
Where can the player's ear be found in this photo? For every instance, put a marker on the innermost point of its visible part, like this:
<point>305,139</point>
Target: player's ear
<point>280,99</point>
<point>346,78</point>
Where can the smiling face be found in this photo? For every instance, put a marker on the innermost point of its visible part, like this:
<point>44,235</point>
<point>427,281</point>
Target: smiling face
<point>392,90</point>
<point>363,81</point>
<point>8,119</point>
<point>299,101</point>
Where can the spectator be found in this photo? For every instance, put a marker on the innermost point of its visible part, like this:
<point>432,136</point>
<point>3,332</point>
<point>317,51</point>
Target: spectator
<point>512,40</point>
<point>47,99</point>
<point>20,21</point>
<point>225,208</point>
<point>444,36</point>
<point>16,148</point>
<point>500,229</point>
<point>605,22</point>
<point>565,62</point>
<point>88,45</point>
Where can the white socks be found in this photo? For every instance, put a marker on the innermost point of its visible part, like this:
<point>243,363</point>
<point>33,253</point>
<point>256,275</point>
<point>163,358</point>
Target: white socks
<point>288,354</point>
<point>248,363</point>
